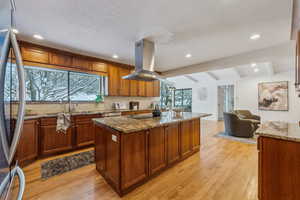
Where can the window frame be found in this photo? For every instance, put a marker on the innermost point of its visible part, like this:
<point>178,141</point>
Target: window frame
<point>182,98</point>
<point>68,86</point>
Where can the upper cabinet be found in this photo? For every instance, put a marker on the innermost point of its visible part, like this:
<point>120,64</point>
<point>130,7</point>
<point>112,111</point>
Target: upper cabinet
<point>113,80</point>
<point>99,67</point>
<point>117,86</point>
<point>35,54</point>
<point>60,59</point>
<point>81,63</point>
<point>124,84</point>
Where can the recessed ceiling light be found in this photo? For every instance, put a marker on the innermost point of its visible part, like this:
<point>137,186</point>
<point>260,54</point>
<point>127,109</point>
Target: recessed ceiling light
<point>15,31</point>
<point>188,55</point>
<point>115,56</point>
<point>256,69</point>
<point>255,36</point>
<point>253,65</point>
<point>39,37</point>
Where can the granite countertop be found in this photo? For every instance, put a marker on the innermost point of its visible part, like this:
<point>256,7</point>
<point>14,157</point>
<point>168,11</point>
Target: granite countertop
<point>37,116</point>
<point>279,130</point>
<point>128,124</point>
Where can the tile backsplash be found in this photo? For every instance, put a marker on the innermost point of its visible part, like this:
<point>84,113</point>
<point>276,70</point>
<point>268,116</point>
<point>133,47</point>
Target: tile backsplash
<point>35,108</point>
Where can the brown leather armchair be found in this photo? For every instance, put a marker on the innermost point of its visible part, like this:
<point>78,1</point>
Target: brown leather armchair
<point>238,127</point>
<point>246,114</point>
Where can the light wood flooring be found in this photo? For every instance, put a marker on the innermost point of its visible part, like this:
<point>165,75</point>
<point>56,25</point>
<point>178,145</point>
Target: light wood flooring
<point>222,170</point>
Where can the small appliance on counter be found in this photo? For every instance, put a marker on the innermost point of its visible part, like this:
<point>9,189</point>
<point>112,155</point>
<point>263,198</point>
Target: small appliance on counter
<point>134,105</point>
<point>156,112</point>
<point>119,106</point>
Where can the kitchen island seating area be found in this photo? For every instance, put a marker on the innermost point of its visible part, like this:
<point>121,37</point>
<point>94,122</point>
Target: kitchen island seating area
<point>129,152</point>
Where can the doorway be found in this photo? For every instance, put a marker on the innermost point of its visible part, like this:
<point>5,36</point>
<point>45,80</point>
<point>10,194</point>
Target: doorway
<point>225,100</point>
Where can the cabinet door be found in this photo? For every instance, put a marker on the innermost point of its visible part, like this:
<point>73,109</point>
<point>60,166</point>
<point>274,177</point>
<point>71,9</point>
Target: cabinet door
<point>142,88</point>
<point>99,67</point>
<point>84,134</point>
<point>173,148</point>
<point>28,146</point>
<point>134,163</point>
<point>60,59</point>
<point>124,84</point>
<point>81,63</point>
<point>112,171</point>
<point>134,88</point>
<point>156,90</point>
<point>196,134</point>
<point>53,142</point>
<point>186,133</point>
<point>149,88</point>
<point>113,81</point>
<point>100,148</point>
<point>34,54</point>
<point>157,149</point>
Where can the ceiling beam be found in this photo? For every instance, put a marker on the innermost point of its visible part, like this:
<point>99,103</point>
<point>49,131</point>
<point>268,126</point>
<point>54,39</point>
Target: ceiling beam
<point>212,75</point>
<point>270,69</point>
<point>274,54</point>
<point>237,73</point>
<point>191,78</point>
<point>295,19</point>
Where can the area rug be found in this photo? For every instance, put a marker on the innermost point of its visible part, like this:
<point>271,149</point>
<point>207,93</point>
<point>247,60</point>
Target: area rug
<point>244,140</point>
<point>65,164</point>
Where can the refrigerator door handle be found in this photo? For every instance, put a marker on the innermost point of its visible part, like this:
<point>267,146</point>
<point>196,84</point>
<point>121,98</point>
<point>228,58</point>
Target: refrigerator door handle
<point>21,111</point>
<point>21,176</point>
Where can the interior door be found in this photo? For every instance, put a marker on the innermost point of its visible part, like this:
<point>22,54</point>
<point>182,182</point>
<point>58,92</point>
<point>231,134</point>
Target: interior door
<point>225,100</point>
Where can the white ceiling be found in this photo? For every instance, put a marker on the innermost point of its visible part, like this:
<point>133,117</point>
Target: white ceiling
<point>208,29</point>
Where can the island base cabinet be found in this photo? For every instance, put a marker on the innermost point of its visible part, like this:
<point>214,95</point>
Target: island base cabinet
<point>127,160</point>
<point>134,160</point>
<point>279,169</point>
<point>157,150</point>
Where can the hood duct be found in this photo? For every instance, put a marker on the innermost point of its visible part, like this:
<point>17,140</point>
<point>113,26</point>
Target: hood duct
<point>144,62</point>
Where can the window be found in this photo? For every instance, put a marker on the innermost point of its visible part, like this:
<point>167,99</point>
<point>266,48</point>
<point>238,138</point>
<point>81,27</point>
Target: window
<point>183,99</point>
<point>43,84</point>
<point>46,84</point>
<point>84,87</point>
<point>165,95</point>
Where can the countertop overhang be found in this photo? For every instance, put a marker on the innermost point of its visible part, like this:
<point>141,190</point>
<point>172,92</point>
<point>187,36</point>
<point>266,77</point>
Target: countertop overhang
<point>128,124</point>
<point>279,130</point>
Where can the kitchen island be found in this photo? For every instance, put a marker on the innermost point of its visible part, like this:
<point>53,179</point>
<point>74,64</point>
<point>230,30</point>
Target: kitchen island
<point>129,150</point>
<point>278,161</point>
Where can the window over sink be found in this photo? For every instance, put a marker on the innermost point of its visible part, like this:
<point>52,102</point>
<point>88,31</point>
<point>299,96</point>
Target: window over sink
<point>51,85</point>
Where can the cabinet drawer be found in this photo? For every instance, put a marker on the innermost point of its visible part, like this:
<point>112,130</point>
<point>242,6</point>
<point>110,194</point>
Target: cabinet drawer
<point>83,119</point>
<point>48,121</point>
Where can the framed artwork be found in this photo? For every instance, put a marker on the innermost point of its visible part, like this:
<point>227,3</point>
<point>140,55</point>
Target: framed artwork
<point>273,96</point>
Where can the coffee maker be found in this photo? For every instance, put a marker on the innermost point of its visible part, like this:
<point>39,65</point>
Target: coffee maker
<point>134,105</point>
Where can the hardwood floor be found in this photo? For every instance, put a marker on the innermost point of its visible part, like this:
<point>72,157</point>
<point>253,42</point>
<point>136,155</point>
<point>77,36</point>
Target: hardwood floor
<point>222,170</point>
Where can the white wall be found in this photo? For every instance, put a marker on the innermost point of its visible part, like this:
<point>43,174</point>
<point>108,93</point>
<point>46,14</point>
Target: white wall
<point>246,96</point>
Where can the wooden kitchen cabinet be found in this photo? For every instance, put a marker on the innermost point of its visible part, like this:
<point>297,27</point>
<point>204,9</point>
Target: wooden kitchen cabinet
<point>60,59</point>
<point>157,149</point>
<point>134,88</point>
<point>51,141</point>
<point>81,63</point>
<point>186,133</point>
<point>173,144</point>
<point>27,150</point>
<point>156,88</point>
<point>34,54</point>
<point>278,169</point>
<point>100,148</point>
<point>84,130</point>
<point>124,84</point>
<point>134,165</point>
<point>142,88</point>
<point>99,67</point>
<point>196,137</point>
<point>113,80</point>
<point>149,88</point>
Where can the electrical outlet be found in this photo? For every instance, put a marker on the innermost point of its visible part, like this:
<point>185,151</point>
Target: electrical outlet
<point>114,138</point>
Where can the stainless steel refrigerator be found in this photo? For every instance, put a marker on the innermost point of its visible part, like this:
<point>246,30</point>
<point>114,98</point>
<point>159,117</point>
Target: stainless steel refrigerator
<point>12,104</point>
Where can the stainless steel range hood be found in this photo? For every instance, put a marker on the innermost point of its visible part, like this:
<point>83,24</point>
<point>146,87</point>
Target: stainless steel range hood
<point>144,62</point>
